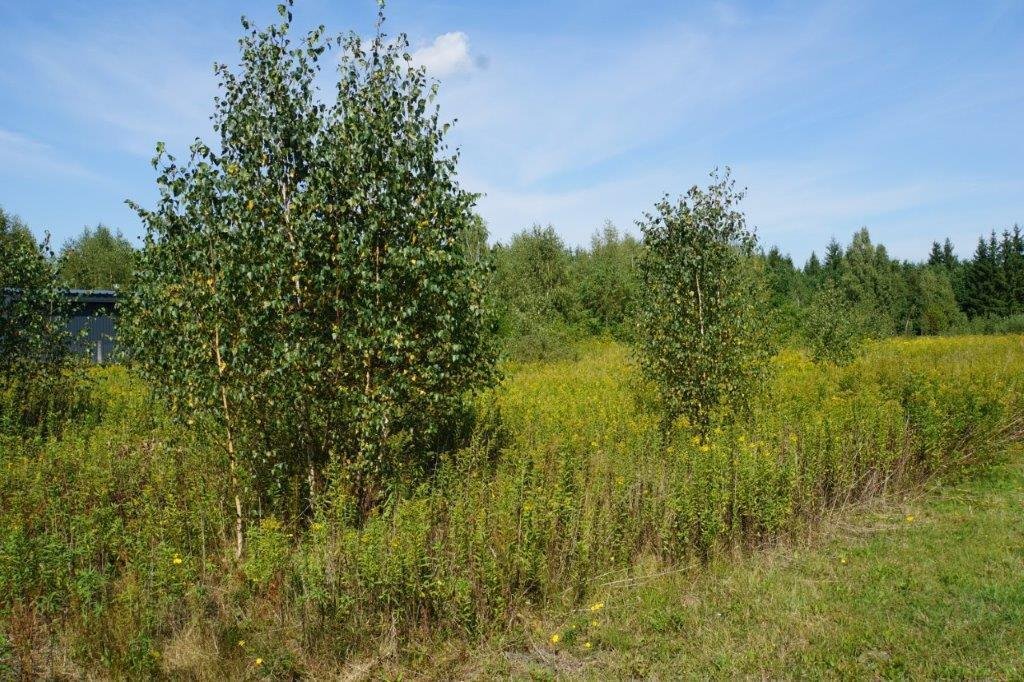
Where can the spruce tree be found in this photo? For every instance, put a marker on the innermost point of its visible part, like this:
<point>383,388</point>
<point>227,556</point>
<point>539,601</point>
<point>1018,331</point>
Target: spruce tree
<point>984,286</point>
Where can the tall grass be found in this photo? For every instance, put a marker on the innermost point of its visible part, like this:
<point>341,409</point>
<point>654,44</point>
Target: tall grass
<point>115,551</point>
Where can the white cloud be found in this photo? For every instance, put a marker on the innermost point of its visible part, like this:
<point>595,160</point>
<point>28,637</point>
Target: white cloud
<point>447,55</point>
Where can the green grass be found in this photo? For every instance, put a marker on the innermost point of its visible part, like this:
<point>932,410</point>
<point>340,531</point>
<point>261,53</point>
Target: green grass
<point>924,588</point>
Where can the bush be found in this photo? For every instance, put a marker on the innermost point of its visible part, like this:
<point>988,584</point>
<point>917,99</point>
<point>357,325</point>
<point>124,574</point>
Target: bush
<point>704,331</point>
<point>833,328</point>
<point>39,382</point>
<point>607,280</point>
<point>1013,324</point>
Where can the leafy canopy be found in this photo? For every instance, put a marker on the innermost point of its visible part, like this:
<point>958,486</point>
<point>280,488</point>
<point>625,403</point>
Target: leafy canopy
<point>97,259</point>
<point>834,328</point>
<point>305,285</point>
<point>38,386</point>
<point>33,331</point>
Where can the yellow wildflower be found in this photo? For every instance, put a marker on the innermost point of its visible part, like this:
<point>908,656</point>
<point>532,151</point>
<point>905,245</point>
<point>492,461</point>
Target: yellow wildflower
<point>587,645</point>
<point>910,518</point>
<point>556,638</point>
<point>176,560</point>
<point>843,560</point>
<point>258,661</point>
<point>594,623</point>
<point>241,642</point>
<point>597,607</point>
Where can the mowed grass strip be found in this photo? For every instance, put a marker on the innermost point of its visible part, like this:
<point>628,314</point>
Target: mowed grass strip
<point>924,588</point>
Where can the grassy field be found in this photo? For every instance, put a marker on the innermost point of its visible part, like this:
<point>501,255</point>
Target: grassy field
<point>927,587</point>
<point>537,548</point>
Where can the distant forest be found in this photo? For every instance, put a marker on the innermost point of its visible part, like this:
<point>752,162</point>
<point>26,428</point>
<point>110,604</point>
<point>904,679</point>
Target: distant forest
<point>547,294</point>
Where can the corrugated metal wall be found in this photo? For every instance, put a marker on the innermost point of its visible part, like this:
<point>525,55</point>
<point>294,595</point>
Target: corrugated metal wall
<point>92,323</point>
<point>93,331</point>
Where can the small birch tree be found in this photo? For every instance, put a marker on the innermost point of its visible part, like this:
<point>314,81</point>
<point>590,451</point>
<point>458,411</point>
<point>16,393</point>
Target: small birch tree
<point>704,335</point>
<point>305,287</point>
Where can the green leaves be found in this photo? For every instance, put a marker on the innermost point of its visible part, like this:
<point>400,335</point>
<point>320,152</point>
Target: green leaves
<point>299,274</point>
<point>97,259</point>
<point>833,327</point>
<point>704,332</point>
<point>34,350</point>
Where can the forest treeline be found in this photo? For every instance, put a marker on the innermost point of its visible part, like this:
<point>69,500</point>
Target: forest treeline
<point>547,293</point>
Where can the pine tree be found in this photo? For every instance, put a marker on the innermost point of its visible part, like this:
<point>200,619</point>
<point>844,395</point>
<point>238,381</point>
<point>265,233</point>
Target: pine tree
<point>949,258</point>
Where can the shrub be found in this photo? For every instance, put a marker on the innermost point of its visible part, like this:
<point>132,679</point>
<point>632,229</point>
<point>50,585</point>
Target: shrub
<point>606,277</point>
<point>704,329</point>
<point>833,328</point>
<point>305,287</point>
<point>113,547</point>
<point>935,303</point>
<point>38,384</point>
<point>533,294</point>
<point>1013,324</point>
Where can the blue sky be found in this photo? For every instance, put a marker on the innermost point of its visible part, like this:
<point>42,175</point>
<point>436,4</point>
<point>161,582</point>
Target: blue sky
<point>905,117</point>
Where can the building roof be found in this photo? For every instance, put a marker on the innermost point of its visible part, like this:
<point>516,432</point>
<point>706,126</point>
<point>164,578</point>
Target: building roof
<point>76,295</point>
<point>93,295</point>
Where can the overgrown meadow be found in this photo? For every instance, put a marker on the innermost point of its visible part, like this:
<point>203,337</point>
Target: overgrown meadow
<point>343,432</point>
<point>117,557</point>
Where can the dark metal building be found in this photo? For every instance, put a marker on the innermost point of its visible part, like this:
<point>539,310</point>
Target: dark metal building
<point>92,323</point>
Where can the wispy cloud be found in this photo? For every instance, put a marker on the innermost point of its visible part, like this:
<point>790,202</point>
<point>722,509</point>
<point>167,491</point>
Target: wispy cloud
<point>26,156</point>
<point>559,105</point>
<point>833,114</point>
<point>134,82</point>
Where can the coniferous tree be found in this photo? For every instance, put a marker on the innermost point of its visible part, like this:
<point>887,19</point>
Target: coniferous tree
<point>1013,270</point>
<point>833,265</point>
<point>949,258</point>
<point>812,269</point>
<point>984,285</point>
